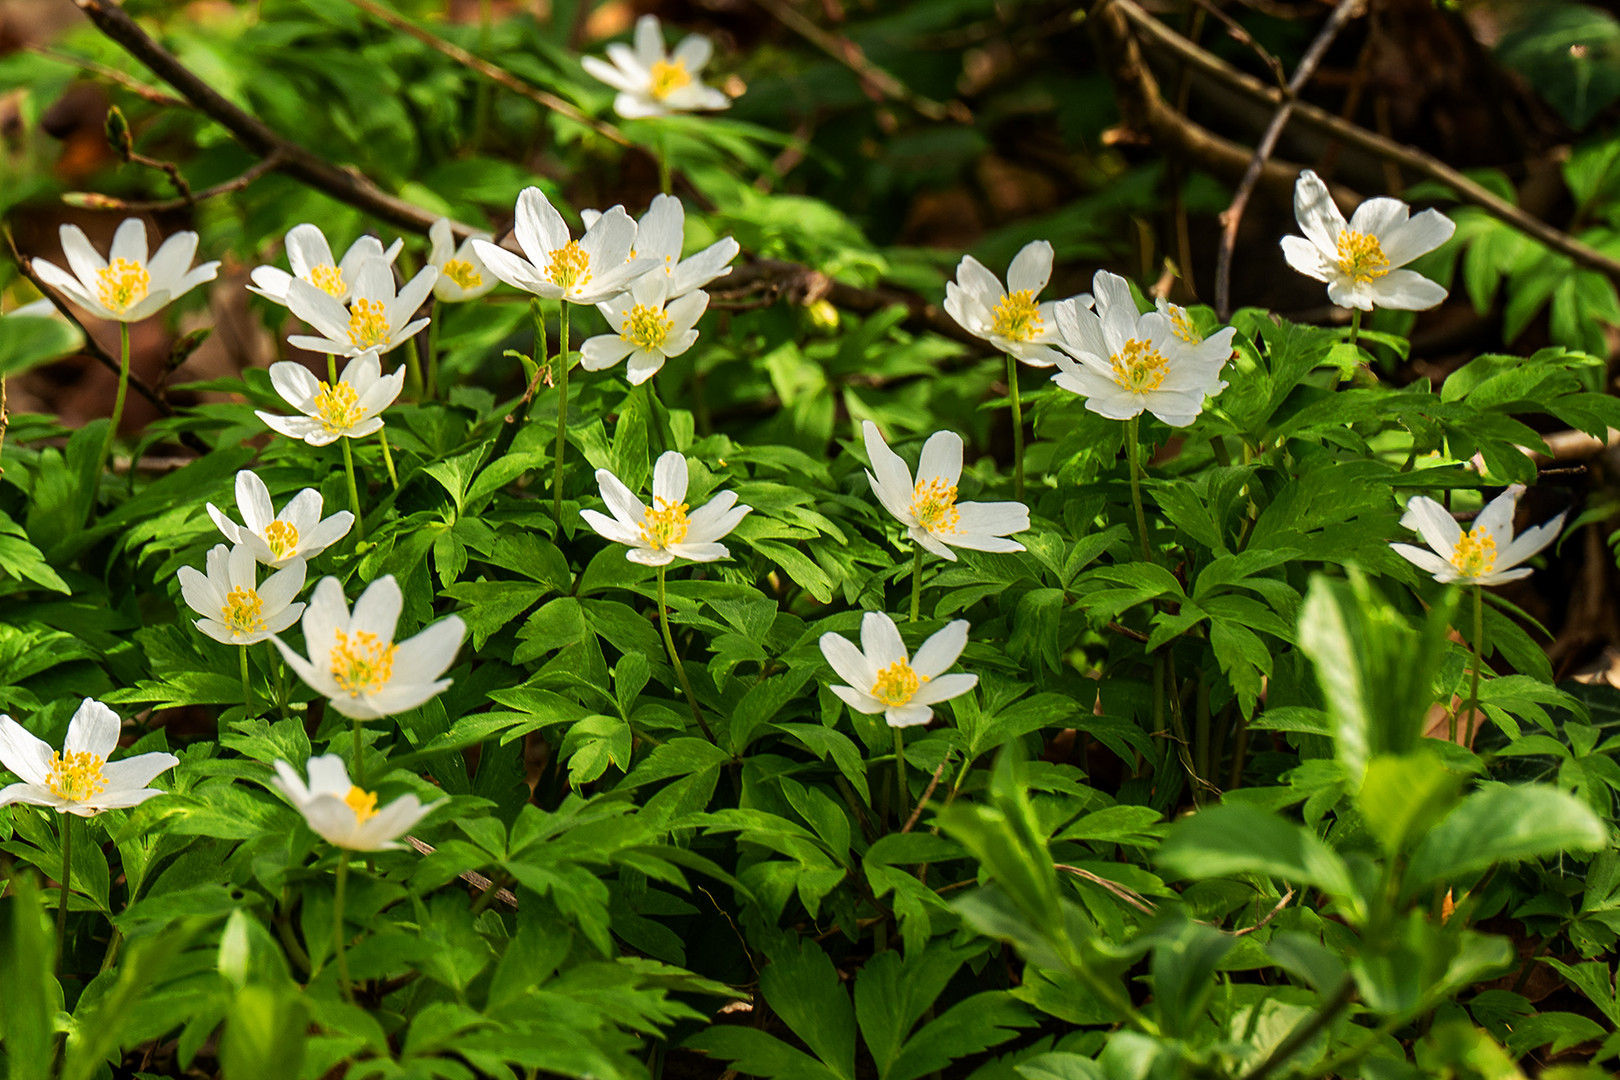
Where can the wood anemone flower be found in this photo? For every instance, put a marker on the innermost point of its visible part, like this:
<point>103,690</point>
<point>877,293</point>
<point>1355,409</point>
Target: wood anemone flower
<point>344,814</point>
<point>652,81</point>
<point>79,780</point>
<point>883,679</point>
<point>127,286</point>
<point>298,532</point>
<point>664,532</point>
<point>1486,554</point>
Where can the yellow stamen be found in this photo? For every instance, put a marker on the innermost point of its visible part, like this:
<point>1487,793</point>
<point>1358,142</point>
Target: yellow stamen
<point>1017,317</point>
<point>362,663</point>
<point>645,326</point>
<point>337,407</point>
<point>569,266</point>
<point>368,323</point>
<point>1182,325</point>
<point>363,803</point>
<point>933,504</point>
<point>76,775</point>
<point>328,279</point>
<point>462,273</point>
<point>282,536</point>
<point>897,684</point>
<point>243,612</point>
<point>1476,553</point>
<point>668,76</point>
<point>1361,257</point>
<point>1139,367</point>
<point>123,284</point>
<point>664,524</point>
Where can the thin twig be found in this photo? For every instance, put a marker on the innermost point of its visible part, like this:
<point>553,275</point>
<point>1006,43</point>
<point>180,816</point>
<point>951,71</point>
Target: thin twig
<point>1236,31</point>
<point>927,794</point>
<point>471,877</point>
<point>96,201</point>
<point>1130,896</point>
<point>1272,914</point>
<point>135,86</point>
<point>1233,217</point>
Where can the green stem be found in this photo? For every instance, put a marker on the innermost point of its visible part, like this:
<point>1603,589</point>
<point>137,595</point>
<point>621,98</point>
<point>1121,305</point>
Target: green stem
<point>117,413</point>
<point>916,583</point>
<point>1479,663</point>
<point>1133,451</point>
<point>904,809</point>
<point>388,457</point>
<point>337,926</point>
<point>359,763</point>
<point>247,686</point>
<point>1355,325</point>
<point>354,491</point>
<point>561,375</point>
<point>650,403</point>
<point>65,880</point>
<point>1018,428</point>
<point>430,391</point>
<point>675,657</point>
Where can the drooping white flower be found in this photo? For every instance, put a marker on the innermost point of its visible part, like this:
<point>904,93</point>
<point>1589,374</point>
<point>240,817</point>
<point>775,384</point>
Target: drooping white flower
<point>660,235</point>
<point>1361,261</point>
<point>235,608</point>
<point>310,257</point>
<point>1483,555</point>
<point>583,271</point>
<point>1013,321</point>
<point>376,318</point>
<point>353,660</point>
<point>343,814</point>
<point>1126,362</point>
<point>665,532</point>
<point>298,532</point>
<point>653,82</point>
<point>928,508</point>
<point>131,286</point>
<point>651,328</point>
<point>883,679</point>
<point>350,409</point>
<point>462,274</point>
<point>79,780</point>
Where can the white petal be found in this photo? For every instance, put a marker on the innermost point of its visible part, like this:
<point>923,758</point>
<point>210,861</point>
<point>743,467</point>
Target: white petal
<point>1426,560</point>
<point>892,476</point>
<point>1406,290</point>
<point>134,773</point>
<point>94,729</point>
<point>1419,236</point>
<point>940,651</point>
<point>1430,520</point>
<point>24,754</point>
<point>941,458</point>
<point>1031,268</point>
<point>903,716</point>
<point>943,688</point>
<point>847,661</point>
<point>670,478</point>
<point>430,653</point>
<point>880,640</point>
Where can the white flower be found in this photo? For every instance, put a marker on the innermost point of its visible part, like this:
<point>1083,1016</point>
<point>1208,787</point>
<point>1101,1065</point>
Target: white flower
<point>664,533</point>
<point>344,815</point>
<point>660,235</point>
<point>131,286</point>
<point>1011,321</point>
<point>310,257</point>
<point>1130,362</point>
<point>462,274</point>
<point>349,409</point>
<point>883,680</point>
<point>651,81</point>
<point>235,608</point>
<point>928,508</point>
<point>79,780</point>
<point>583,271</point>
<point>353,660</point>
<point>1361,262</point>
<point>298,532</point>
<point>376,319</point>
<point>1485,554</point>
<point>652,328</point>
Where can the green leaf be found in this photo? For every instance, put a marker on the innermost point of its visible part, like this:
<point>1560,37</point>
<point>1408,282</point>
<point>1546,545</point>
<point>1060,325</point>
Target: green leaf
<point>1504,824</point>
<point>1571,54</point>
<point>1402,796</point>
<point>27,341</point>
<point>802,986</point>
<point>1237,839</point>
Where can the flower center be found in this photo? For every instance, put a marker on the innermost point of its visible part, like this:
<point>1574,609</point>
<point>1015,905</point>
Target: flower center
<point>1017,318</point>
<point>328,279</point>
<point>462,273</point>
<point>646,327</point>
<point>337,407</point>
<point>896,684</point>
<point>664,524</point>
<point>569,265</point>
<point>243,612</point>
<point>933,504</point>
<point>1361,257</point>
<point>76,775</point>
<point>362,802</point>
<point>1476,553</point>
<point>368,323</point>
<point>1138,367</point>
<point>282,537</point>
<point>668,77</point>
<point>123,284</point>
<point>1181,325</point>
<point>362,663</point>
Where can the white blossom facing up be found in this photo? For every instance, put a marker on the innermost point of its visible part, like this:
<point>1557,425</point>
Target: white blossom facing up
<point>928,507</point>
<point>353,660</point>
<point>298,532</point>
<point>349,409</point>
<point>343,814</point>
<point>664,532</point>
<point>127,286</point>
<point>882,677</point>
<point>651,328</point>
<point>651,80</point>
<point>1361,261</point>
<point>235,608</point>
<point>1124,362</point>
<point>462,274</point>
<point>376,318</point>
<point>310,257</point>
<point>557,267</point>
<point>79,780</point>
<point>660,237</point>
<point>1486,554</point>
<point>1009,318</point>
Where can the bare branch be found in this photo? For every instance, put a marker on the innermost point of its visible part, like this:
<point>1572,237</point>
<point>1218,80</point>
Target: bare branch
<point>96,201</point>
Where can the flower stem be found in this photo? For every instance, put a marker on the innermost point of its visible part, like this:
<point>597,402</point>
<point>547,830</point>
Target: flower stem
<point>675,659</point>
<point>1355,325</point>
<point>561,377</point>
<point>904,809</point>
<point>432,388</point>
<point>916,583</point>
<point>1133,451</point>
<point>247,687</point>
<point>118,410</point>
<point>388,457</point>
<point>1479,663</point>
<point>354,491</point>
<point>359,763</point>
<point>64,880</point>
<point>1018,428</point>
<point>337,926</point>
